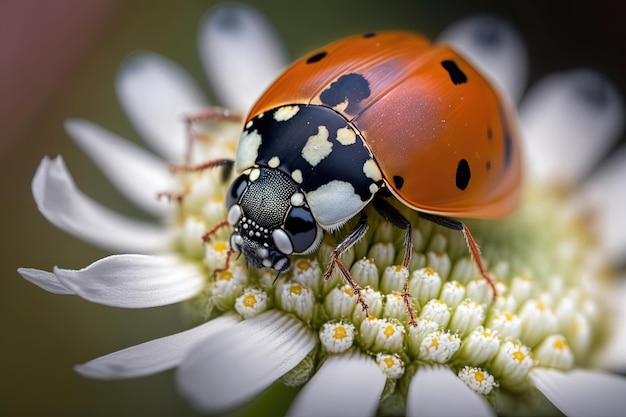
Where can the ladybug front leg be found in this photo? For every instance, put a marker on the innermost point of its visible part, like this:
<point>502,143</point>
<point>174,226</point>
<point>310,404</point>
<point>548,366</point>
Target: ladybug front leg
<point>206,237</point>
<point>392,215</point>
<point>178,195</point>
<point>210,113</point>
<point>354,236</point>
<point>227,164</point>
<point>216,114</point>
<point>471,244</point>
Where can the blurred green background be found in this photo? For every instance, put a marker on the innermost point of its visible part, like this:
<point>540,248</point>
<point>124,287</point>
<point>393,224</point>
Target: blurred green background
<point>59,59</point>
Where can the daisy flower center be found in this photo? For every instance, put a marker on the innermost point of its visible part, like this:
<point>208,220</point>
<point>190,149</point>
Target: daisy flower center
<point>542,315</point>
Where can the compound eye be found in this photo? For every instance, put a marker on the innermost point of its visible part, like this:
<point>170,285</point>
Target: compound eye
<point>302,229</point>
<point>235,190</point>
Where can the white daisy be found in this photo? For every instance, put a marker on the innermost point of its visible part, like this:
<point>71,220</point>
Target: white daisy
<point>546,336</point>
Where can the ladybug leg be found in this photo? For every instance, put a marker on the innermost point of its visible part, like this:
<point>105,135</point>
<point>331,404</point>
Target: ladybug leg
<point>354,236</point>
<point>226,163</point>
<point>214,113</point>
<point>210,113</point>
<point>179,195</point>
<point>218,270</point>
<point>471,244</point>
<point>206,238</point>
<point>171,196</point>
<point>392,215</point>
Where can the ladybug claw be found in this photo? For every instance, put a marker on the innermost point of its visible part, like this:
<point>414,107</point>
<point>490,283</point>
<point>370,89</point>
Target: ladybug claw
<point>356,288</point>
<point>475,253</point>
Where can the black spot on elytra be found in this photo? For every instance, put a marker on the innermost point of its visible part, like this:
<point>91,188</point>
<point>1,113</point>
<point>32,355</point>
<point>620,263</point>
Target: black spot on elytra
<point>317,57</point>
<point>456,75</point>
<point>463,174</point>
<point>369,35</point>
<point>398,181</point>
<point>489,133</point>
<point>350,87</point>
<point>488,165</point>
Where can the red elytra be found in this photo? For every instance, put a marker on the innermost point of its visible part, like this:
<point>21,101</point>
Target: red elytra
<point>444,139</point>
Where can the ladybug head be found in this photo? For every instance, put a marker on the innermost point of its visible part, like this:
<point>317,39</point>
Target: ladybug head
<point>270,218</point>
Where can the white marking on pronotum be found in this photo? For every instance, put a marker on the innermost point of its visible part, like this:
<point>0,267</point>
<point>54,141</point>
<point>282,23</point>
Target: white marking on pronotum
<point>273,162</point>
<point>297,199</point>
<point>248,150</point>
<point>254,174</point>
<point>285,113</point>
<point>296,175</point>
<point>346,136</point>
<point>371,170</point>
<point>334,203</point>
<point>317,147</point>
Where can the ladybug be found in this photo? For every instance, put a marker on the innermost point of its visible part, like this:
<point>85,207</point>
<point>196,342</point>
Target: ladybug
<point>360,121</point>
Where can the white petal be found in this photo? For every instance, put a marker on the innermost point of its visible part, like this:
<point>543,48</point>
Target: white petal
<point>569,121</point>
<point>153,356</point>
<point>582,392</point>
<point>614,355</point>
<point>242,361</point>
<point>437,391</point>
<point>44,279</point>
<point>241,53</point>
<point>66,207</point>
<point>349,384</point>
<point>606,193</point>
<point>134,171</point>
<point>134,281</point>
<point>495,47</point>
<point>156,94</point>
